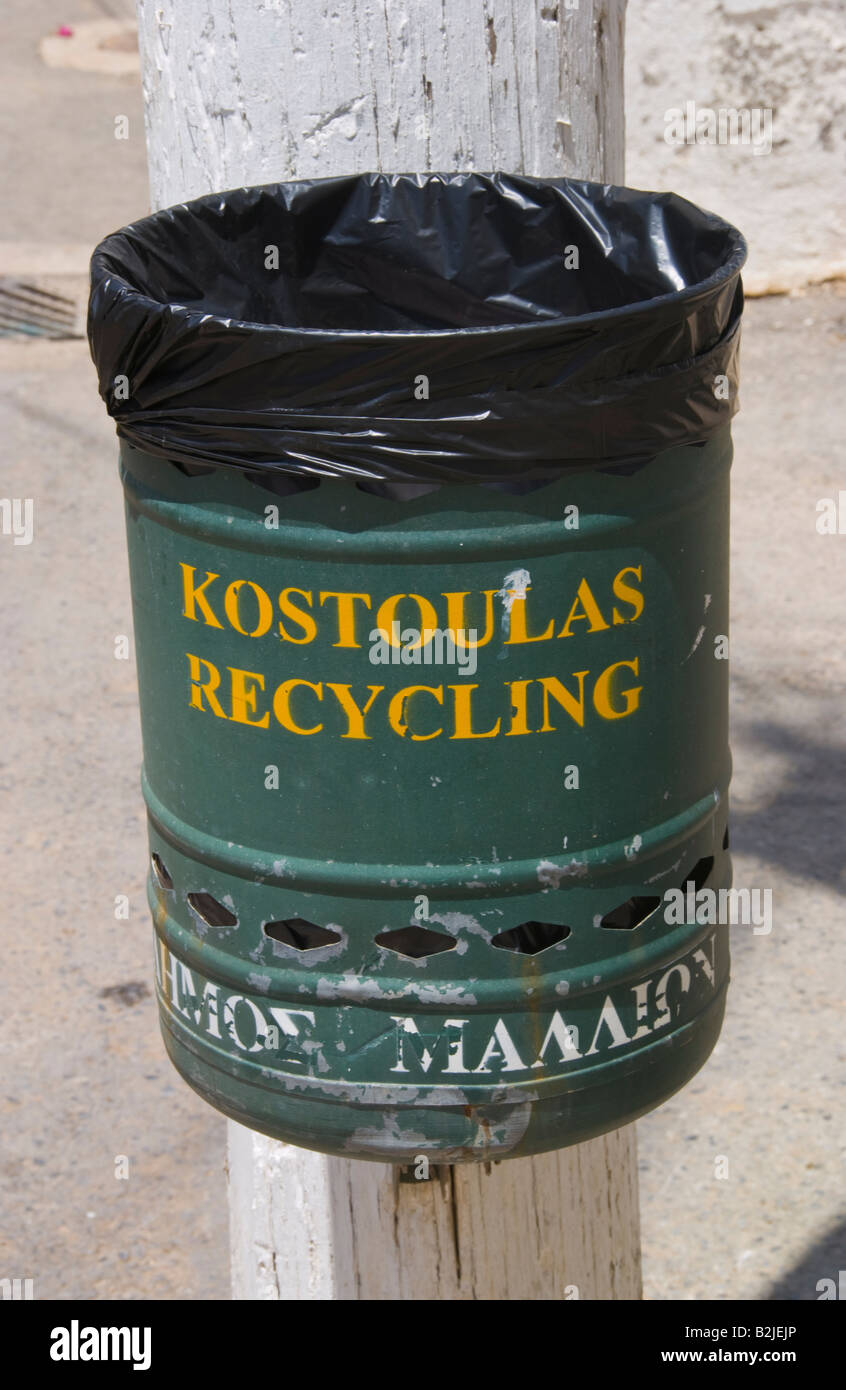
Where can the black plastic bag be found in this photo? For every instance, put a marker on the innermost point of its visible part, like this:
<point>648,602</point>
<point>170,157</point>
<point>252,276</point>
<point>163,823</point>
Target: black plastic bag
<point>419,328</point>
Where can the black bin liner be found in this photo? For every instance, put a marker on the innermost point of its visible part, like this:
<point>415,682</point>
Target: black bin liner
<point>558,324</point>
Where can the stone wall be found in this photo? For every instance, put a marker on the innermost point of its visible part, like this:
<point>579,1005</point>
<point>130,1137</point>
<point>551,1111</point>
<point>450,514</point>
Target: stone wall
<point>788,60</point>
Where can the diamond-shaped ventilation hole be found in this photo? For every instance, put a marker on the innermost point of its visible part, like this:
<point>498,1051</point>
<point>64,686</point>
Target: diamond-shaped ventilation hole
<point>699,873</point>
<point>630,914</point>
<point>302,935</point>
<point>726,839</point>
<point>213,913</point>
<point>162,876</point>
<point>530,937</point>
<point>415,942</point>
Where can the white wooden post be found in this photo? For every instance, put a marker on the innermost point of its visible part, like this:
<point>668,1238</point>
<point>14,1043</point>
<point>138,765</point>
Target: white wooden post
<point>250,91</point>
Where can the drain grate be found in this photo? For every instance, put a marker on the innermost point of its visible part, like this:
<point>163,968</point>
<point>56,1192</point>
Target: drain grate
<point>31,312</point>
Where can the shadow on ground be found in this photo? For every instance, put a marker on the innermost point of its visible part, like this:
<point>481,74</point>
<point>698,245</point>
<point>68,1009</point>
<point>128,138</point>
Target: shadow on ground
<point>823,1261</point>
<point>800,828</point>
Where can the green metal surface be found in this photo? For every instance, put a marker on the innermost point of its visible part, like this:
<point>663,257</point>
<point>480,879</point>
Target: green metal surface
<point>306,800</point>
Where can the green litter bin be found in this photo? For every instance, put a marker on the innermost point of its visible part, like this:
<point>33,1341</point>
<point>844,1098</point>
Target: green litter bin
<point>428,536</point>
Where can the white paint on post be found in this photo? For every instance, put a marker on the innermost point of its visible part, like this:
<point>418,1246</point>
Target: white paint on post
<point>560,1226</point>
<point>251,91</point>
